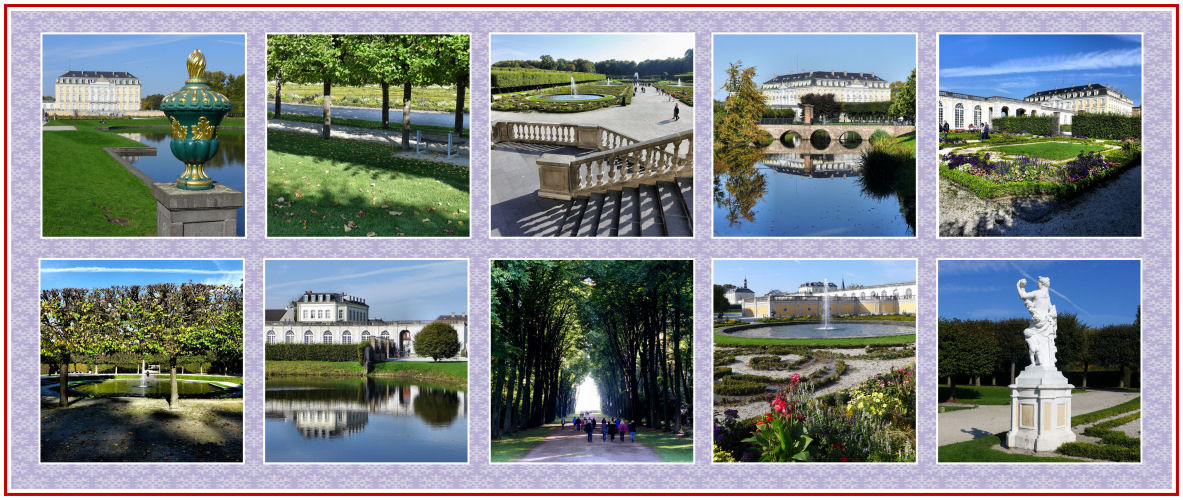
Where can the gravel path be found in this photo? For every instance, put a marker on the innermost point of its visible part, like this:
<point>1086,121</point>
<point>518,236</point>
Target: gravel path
<point>741,366</point>
<point>986,420</point>
<point>1113,209</point>
<point>392,138</point>
<point>566,445</point>
<point>857,371</point>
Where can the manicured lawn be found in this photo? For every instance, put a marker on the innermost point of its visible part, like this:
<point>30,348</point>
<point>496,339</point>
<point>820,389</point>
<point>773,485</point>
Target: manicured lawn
<point>434,98</point>
<point>669,447</point>
<point>725,340</point>
<point>1112,411</point>
<point>513,446</point>
<point>443,371</point>
<point>451,374</point>
<point>86,192</point>
<point>980,450</point>
<point>1048,150</point>
<point>214,378</point>
<point>312,368</point>
<point>978,395</point>
<point>354,122</point>
<point>341,187</point>
<point>908,140</point>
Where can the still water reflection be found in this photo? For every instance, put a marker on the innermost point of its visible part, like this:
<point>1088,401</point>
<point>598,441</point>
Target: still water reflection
<point>227,167</point>
<point>796,194</point>
<point>328,419</point>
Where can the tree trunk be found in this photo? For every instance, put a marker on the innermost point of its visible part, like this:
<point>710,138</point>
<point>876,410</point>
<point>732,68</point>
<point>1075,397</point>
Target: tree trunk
<point>1084,377</point>
<point>172,376</point>
<point>1127,377</point>
<point>406,116</point>
<point>278,92</point>
<point>952,391</point>
<point>64,383</point>
<point>1012,372</point>
<point>385,105</point>
<point>460,88</point>
<point>977,380</point>
<point>328,109</point>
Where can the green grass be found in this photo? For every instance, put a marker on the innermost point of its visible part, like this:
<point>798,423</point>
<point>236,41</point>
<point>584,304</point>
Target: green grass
<point>1054,151</point>
<point>515,445</point>
<point>133,122</point>
<point>433,98</point>
<point>978,395</point>
<point>1112,411</point>
<point>949,408</point>
<point>729,341</point>
<point>312,368</point>
<point>980,450</point>
<point>669,447</point>
<point>355,122</point>
<point>86,192</point>
<point>214,378</point>
<point>449,374</point>
<point>325,184</point>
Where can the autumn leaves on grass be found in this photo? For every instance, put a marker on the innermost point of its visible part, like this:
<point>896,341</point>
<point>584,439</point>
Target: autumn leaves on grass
<point>344,187</point>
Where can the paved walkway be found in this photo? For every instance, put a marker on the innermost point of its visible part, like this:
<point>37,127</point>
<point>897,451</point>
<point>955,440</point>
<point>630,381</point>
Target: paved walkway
<point>392,138</point>
<point>433,118</point>
<point>56,128</point>
<point>987,420</point>
<point>566,445</point>
<point>516,208</point>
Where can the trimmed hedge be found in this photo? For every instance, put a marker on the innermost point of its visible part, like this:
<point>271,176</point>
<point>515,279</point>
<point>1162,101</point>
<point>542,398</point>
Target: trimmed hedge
<point>503,80</point>
<point>685,94</point>
<point>613,95</point>
<point>730,385</point>
<point>1112,411</point>
<point>1038,125</point>
<point>1114,453</point>
<point>876,109</point>
<point>722,370</point>
<point>311,352</point>
<point>1106,126</point>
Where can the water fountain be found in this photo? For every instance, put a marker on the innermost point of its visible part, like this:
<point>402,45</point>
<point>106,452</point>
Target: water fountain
<point>143,374</point>
<point>679,82</point>
<point>573,91</point>
<point>825,306</point>
<point>573,96</point>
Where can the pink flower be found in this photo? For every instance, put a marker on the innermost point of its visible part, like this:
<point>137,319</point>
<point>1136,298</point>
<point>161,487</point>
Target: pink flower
<point>796,378</point>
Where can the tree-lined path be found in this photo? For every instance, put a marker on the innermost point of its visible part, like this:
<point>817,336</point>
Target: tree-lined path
<point>622,327</point>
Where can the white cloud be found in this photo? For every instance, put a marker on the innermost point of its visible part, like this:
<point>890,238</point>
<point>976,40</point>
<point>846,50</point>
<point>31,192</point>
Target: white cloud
<point>1068,62</point>
<point>123,44</point>
<point>442,266</point>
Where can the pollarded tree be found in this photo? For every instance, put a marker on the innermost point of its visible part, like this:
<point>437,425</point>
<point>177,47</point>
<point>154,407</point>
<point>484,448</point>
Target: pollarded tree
<point>320,59</point>
<point>964,349</point>
<point>69,327</point>
<point>281,49</point>
<point>437,341</point>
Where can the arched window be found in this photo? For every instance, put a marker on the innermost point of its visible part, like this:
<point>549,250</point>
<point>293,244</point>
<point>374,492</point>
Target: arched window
<point>365,335</point>
<point>907,293</point>
<point>977,115</point>
<point>346,337</point>
<point>289,337</point>
<point>308,337</point>
<point>327,338</point>
<point>385,334</point>
<point>958,116</point>
<point>895,293</point>
<point>270,336</point>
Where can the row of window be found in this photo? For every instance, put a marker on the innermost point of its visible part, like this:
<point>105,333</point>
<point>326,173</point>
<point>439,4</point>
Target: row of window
<point>92,80</point>
<point>327,338</point>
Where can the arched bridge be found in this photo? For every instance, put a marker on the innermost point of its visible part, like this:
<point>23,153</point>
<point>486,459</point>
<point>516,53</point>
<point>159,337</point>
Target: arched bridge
<point>834,129</point>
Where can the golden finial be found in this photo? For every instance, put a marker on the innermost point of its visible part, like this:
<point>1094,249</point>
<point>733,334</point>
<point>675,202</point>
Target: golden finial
<point>196,64</point>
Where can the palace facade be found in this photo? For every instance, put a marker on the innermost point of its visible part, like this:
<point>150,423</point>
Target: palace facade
<point>786,90</point>
<point>339,318</point>
<point>888,298</point>
<point>736,296</point>
<point>96,93</point>
<point>964,111</point>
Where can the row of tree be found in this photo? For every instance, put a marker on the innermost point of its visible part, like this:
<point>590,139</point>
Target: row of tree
<point>613,67</point>
<point>409,60</point>
<point>626,324</point>
<point>163,320</point>
<point>230,85</point>
<point>972,349</point>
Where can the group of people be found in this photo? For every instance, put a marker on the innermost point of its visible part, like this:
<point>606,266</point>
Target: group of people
<point>984,135</point>
<point>670,95</point>
<point>586,422</point>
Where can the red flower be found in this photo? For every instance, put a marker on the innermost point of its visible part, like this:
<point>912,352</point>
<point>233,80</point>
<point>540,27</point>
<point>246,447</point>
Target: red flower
<point>844,459</point>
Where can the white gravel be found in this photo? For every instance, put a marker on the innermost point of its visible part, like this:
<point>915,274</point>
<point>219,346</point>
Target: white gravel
<point>741,366</point>
<point>857,371</point>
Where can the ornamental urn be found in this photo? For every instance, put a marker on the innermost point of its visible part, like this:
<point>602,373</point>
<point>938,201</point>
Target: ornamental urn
<point>195,112</point>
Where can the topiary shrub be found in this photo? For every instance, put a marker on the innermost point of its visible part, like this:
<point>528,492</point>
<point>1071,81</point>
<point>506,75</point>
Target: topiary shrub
<point>1106,126</point>
<point>1036,125</point>
<point>437,341</point>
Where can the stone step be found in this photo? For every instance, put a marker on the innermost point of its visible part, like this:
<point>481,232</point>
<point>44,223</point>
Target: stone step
<point>673,214</point>
<point>649,212</point>
<point>609,213</point>
<point>591,215</point>
<point>572,216</point>
<point>629,206</point>
<point>686,186</point>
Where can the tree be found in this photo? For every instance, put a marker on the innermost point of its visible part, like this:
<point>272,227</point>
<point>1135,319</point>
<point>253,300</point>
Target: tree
<point>1121,347</point>
<point>1075,343</point>
<point>903,101</point>
<point>964,349</point>
<point>437,341</point>
<point>69,327</point>
<point>281,49</point>
<point>824,106</point>
<point>743,107</point>
<point>178,320</point>
<point>721,304</point>
<point>320,59</point>
<point>546,62</point>
<point>231,86</point>
<point>151,101</point>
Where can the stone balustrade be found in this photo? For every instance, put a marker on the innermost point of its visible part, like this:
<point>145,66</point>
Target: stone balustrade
<point>563,177</point>
<point>558,134</point>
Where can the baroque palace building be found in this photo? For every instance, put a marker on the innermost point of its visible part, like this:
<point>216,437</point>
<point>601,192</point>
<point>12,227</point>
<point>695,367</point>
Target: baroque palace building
<point>786,90</point>
<point>888,298</point>
<point>964,111</point>
<point>339,318</point>
<point>96,93</point>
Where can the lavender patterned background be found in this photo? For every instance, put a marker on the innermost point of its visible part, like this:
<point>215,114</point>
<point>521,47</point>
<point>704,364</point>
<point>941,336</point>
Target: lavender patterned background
<point>1156,470</point>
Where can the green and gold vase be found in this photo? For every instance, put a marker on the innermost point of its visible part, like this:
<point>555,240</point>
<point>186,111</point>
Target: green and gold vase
<point>195,112</point>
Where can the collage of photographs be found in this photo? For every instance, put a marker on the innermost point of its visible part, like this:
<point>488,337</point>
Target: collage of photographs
<point>927,248</point>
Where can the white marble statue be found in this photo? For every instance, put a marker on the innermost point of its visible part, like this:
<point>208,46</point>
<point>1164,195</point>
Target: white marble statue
<point>1041,334</point>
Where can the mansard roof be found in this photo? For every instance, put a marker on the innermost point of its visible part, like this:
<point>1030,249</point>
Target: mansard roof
<point>97,74</point>
<point>824,75</point>
<point>1101,90</point>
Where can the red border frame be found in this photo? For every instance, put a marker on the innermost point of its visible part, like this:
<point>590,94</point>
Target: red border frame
<point>629,6</point>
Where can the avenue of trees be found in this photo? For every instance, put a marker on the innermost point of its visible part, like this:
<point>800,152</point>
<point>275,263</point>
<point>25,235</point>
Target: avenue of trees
<point>969,350</point>
<point>626,324</point>
<point>162,321</point>
<point>408,60</point>
<point>665,68</point>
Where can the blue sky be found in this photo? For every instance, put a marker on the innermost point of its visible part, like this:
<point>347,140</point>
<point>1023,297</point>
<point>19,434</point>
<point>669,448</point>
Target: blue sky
<point>891,57</point>
<point>1099,292</point>
<point>103,273</point>
<point>157,60</point>
<point>394,289</point>
<point>1019,65</point>
<point>595,48</point>
<point>787,275</point>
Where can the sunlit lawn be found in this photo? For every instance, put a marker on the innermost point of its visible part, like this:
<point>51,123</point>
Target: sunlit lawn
<point>1049,150</point>
<point>342,187</point>
<point>435,98</point>
<point>669,447</point>
<point>513,446</point>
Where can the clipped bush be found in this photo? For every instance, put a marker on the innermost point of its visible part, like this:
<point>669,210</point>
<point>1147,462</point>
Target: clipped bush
<point>503,80</point>
<point>722,370</point>
<point>361,351</point>
<point>437,341</point>
<point>1106,126</point>
<point>1036,125</point>
<point>310,352</point>
<point>1113,453</point>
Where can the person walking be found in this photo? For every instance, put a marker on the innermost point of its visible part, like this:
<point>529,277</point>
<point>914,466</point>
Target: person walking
<point>603,429</point>
<point>985,131</point>
<point>611,431</point>
<point>587,427</point>
<point>622,428</point>
<point>675,111</point>
<point>632,430</point>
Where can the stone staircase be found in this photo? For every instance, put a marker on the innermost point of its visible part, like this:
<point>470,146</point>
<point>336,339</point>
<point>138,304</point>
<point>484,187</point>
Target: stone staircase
<point>663,208</point>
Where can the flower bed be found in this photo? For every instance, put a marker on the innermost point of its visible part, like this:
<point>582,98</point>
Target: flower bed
<point>685,94</point>
<point>988,177</point>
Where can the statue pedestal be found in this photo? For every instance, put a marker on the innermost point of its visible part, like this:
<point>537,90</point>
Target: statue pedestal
<point>1041,410</point>
<point>182,212</point>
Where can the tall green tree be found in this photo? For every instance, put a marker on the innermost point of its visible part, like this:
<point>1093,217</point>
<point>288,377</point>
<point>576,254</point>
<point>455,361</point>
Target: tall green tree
<point>964,349</point>
<point>721,304</point>
<point>825,107</point>
<point>743,107</point>
<point>69,327</point>
<point>903,101</point>
<point>281,51</point>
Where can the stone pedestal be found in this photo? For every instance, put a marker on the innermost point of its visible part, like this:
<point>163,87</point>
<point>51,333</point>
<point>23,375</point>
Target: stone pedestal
<point>554,176</point>
<point>182,212</point>
<point>1040,410</point>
